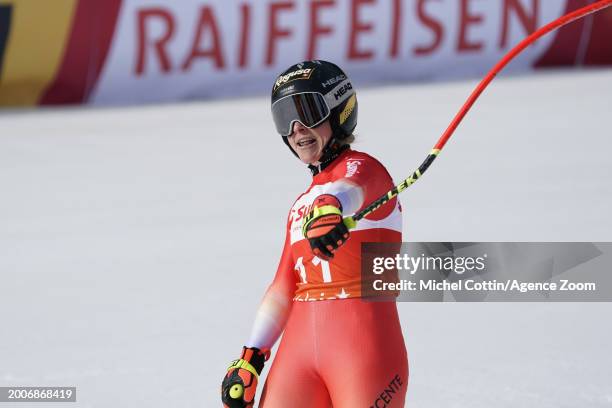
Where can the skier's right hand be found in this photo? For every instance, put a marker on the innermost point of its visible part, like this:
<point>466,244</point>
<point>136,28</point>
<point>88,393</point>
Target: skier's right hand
<point>240,382</point>
<point>324,227</point>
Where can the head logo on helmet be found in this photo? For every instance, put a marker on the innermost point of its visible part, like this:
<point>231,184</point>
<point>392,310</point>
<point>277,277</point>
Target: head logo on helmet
<point>332,81</point>
<point>342,90</point>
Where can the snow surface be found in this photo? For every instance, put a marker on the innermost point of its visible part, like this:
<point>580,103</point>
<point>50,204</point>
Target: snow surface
<point>136,242</point>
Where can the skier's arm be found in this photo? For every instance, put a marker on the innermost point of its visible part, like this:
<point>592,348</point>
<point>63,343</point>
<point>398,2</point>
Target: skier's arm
<point>350,194</point>
<point>240,382</point>
<point>276,304</point>
<point>367,183</point>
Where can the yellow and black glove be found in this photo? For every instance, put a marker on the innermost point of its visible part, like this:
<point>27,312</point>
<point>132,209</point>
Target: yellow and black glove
<point>323,227</point>
<point>240,383</point>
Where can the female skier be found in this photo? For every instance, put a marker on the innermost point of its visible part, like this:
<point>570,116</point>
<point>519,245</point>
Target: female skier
<point>337,349</point>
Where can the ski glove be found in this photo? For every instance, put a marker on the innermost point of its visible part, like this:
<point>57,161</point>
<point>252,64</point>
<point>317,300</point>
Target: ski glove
<point>323,227</point>
<point>240,383</point>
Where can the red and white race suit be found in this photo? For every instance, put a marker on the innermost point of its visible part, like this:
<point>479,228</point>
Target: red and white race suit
<point>337,348</point>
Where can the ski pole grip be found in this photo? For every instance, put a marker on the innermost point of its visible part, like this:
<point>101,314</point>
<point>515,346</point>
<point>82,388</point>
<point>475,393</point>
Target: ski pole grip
<point>349,222</point>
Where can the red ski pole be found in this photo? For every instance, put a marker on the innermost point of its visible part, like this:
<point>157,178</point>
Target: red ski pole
<point>351,222</point>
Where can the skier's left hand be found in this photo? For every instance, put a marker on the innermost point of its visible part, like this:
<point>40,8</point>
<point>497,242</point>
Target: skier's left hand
<point>323,227</point>
<point>240,382</point>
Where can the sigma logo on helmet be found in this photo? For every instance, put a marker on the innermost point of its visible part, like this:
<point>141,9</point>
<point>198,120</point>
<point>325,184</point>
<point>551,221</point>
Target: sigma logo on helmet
<point>332,81</point>
<point>342,90</point>
<point>299,74</point>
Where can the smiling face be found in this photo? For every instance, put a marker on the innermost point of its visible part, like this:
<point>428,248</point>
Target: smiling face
<point>309,143</point>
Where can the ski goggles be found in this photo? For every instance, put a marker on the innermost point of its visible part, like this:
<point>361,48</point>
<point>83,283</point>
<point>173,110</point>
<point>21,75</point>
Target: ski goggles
<point>308,108</point>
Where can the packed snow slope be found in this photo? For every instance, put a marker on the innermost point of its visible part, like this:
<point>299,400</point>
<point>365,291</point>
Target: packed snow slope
<point>136,242</point>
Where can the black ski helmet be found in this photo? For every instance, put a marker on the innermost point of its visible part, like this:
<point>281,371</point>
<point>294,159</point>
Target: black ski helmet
<point>311,92</point>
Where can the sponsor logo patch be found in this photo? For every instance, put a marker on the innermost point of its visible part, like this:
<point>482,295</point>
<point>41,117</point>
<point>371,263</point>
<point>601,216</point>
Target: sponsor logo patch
<point>332,81</point>
<point>352,167</point>
<point>344,89</point>
<point>292,76</point>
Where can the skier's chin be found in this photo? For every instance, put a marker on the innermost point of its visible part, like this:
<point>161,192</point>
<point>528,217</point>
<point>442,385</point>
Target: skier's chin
<point>309,157</point>
<point>312,161</point>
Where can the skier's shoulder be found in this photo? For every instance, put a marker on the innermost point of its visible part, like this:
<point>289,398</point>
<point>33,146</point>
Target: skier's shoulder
<point>358,162</point>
